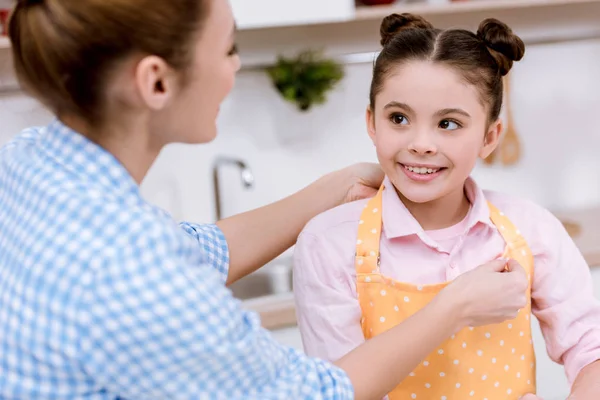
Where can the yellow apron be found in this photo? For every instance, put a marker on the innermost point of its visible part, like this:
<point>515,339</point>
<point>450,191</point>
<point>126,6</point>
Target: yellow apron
<point>495,362</point>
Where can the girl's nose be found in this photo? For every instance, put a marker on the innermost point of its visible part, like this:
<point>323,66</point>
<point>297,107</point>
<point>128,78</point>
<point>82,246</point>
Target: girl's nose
<point>422,144</point>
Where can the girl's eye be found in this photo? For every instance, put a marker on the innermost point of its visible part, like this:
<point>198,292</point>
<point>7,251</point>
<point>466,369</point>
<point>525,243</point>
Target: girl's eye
<point>449,125</point>
<point>233,50</point>
<point>398,119</point>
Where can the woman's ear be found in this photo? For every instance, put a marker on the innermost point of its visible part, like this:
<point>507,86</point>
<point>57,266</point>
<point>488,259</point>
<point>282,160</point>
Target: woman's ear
<point>370,117</point>
<point>491,139</point>
<point>156,82</point>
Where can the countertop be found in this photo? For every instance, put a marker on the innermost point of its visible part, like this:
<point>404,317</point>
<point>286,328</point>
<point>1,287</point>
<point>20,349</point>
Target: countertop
<point>278,311</point>
<point>588,237</point>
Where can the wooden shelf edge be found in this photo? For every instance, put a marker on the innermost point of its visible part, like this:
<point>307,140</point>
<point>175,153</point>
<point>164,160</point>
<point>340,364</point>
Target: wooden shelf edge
<point>368,13</point>
<point>537,22</point>
<point>587,238</point>
<point>276,311</point>
<point>467,6</point>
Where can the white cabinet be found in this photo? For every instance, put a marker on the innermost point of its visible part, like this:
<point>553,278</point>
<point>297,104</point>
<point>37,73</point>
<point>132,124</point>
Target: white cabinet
<point>267,13</point>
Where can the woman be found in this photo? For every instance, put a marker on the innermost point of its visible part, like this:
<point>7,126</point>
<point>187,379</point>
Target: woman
<point>103,295</point>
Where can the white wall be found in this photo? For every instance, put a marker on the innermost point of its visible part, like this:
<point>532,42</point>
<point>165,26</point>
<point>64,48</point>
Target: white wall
<point>556,98</point>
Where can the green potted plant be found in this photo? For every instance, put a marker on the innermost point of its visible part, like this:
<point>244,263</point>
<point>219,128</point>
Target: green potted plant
<point>305,80</point>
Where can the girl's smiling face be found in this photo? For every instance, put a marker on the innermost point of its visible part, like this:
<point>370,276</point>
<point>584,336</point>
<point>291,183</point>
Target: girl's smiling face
<point>429,126</point>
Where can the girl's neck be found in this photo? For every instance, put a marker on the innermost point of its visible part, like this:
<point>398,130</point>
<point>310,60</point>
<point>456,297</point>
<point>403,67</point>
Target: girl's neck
<point>441,213</point>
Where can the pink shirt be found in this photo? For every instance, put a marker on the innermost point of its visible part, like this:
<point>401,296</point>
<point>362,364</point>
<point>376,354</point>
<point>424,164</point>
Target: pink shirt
<point>325,277</point>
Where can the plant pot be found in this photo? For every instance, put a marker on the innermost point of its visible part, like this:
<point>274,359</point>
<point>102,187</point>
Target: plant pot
<point>376,2</point>
<point>4,13</point>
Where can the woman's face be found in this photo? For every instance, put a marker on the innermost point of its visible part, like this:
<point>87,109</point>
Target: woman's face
<point>190,116</point>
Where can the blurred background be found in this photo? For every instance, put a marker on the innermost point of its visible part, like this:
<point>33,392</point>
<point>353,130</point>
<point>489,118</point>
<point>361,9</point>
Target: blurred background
<point>279,130</point>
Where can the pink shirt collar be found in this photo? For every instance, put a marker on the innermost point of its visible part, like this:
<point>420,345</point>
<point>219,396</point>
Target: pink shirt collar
<point>399,222</point>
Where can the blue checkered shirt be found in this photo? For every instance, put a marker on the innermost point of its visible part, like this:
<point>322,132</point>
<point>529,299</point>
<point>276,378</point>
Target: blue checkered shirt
<point>103,296</point>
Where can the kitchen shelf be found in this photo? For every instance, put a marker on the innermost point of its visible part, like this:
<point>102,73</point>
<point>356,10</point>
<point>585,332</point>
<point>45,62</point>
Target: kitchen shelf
<point>462,7</point>
<point>535,21</point>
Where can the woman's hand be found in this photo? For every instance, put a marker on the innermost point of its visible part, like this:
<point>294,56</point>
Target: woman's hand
<point>363,179</point>
<point>489,294</point>
<point>256,237</point>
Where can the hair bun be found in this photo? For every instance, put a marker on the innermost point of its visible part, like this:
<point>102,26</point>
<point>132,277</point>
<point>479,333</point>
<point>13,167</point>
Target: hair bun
<point>504,46</point>
<point>396,23</point>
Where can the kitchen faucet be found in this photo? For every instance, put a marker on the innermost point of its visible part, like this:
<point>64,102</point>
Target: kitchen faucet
<point>245,174</point>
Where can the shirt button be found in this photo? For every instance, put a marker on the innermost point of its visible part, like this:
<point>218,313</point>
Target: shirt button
<point>453,265</point>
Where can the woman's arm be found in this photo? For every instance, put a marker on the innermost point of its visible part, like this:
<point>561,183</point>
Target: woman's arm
<point>220,350</point>
<point>378,365</point>
<point>256,237</point>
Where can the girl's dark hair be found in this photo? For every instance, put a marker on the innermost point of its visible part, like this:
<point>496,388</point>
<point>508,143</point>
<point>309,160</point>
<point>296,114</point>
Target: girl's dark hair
<point>482,58</point>
<point>64,51</point>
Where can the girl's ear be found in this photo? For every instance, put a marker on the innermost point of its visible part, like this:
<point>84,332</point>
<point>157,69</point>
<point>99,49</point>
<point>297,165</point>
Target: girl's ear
<point>491,139</point>
<point>370,117</point>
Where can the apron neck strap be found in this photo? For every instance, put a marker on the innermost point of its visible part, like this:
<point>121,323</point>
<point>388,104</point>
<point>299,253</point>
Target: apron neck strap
<point>511,235</point>
<point>369,235</point>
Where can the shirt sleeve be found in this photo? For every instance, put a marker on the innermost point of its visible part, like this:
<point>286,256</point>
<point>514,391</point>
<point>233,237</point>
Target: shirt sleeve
<point>152,327</point>
<point>213,244</point>
<point>327,308</point>
<point>563,299</point>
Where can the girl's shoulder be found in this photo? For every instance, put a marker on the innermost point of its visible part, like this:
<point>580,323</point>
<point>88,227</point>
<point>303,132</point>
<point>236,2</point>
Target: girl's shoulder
<point>340,217</point>
<point>515,206</point>
<point>535,221</point>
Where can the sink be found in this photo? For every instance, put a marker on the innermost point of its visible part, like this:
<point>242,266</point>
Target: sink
<point>272,279</point>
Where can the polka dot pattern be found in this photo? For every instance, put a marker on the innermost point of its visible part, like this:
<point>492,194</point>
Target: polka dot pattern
<point>493,362</point>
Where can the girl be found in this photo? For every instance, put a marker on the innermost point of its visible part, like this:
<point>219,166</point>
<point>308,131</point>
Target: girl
<point>364,267</point>
<point>102,295</point>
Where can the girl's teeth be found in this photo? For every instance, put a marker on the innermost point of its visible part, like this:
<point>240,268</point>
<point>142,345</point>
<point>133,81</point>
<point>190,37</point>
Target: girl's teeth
<point>421,170</point>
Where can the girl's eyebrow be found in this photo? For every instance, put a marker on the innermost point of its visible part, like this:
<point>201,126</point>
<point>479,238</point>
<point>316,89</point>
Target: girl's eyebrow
<point>447,111</point>
<point>397,104</point>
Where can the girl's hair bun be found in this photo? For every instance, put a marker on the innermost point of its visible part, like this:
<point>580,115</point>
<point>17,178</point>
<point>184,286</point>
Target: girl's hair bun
<point>396,23</point>
<point>504,46</point>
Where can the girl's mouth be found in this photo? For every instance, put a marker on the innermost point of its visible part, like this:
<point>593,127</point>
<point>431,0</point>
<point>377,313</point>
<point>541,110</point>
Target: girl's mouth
<point>422,173</point>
